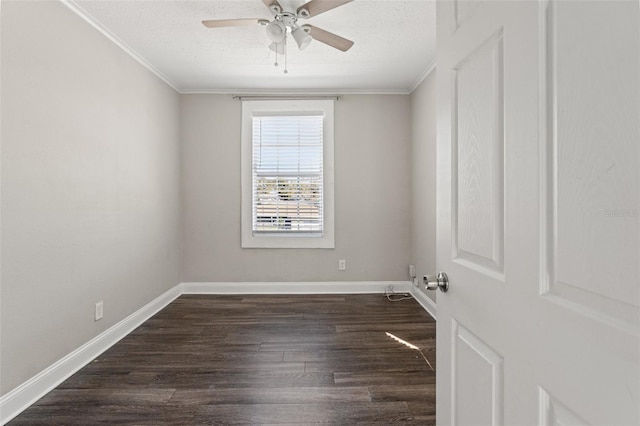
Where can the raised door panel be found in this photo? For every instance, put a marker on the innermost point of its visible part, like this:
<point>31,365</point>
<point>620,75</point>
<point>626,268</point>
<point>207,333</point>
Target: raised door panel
<point>593,199</point>
<point>477,154</point>
<point>477,380</point>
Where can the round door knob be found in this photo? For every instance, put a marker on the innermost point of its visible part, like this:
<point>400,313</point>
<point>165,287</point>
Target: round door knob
<point>433,282</point>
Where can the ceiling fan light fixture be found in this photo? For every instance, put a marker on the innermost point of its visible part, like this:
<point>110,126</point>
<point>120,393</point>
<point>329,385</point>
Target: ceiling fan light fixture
<point>277,47</point>
<point>276,31</point>
<point>301,37</point>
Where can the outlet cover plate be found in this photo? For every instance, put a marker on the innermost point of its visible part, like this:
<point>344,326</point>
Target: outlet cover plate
<point>98,311</point>
<point>342,265</point>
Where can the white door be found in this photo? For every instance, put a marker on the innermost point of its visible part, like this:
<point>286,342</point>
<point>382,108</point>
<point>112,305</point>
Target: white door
<point>538,212</point>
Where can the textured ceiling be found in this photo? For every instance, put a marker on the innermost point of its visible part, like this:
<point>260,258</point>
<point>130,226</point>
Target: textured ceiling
<point>394,44</point>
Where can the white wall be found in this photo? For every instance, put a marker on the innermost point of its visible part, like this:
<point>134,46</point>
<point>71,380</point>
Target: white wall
<point>372,185</point>
<point>423,178</point>
<point>90,186</point>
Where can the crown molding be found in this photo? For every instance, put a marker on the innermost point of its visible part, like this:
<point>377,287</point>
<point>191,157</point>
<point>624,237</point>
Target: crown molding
<point>292,92</point>
<point>75,8</point>
<point>430,68</point>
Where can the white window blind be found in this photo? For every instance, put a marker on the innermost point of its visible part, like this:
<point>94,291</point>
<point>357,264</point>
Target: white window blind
<point>287,156</point>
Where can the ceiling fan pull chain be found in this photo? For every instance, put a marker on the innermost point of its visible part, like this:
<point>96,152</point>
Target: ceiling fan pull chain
<point>286,71</point>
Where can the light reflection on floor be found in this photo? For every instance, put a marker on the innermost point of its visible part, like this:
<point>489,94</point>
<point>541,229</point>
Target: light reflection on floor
<point>410,346</point>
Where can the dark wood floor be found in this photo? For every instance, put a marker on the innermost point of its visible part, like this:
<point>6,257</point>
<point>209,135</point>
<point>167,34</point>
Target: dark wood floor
<point>258,360</point>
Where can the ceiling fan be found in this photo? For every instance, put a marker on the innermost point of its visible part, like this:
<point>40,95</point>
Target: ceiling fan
<point>285,21</point>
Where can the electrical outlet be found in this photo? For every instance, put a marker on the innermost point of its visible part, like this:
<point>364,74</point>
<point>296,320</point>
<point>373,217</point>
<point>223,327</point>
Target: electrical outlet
<point>412,271</point>
<point>98,311</point>
<point>342,265</point>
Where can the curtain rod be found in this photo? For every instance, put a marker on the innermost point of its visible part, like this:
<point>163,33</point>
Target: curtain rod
<point>285,98</point>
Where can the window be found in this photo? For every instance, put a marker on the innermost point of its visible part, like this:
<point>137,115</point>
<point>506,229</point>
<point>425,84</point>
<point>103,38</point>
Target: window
<point>287,174</point>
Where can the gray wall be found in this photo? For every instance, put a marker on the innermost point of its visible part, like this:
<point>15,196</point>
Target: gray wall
<point>372,186</point>
<point>423,178</point>
<point>90,186</point>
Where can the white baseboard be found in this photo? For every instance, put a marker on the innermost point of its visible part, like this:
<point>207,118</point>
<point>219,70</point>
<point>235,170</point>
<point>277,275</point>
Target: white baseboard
<point>331,287</point>
<point>424,301</point>
<point>20,398</point>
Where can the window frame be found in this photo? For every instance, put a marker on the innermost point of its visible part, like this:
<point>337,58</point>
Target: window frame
<point>284,107</point>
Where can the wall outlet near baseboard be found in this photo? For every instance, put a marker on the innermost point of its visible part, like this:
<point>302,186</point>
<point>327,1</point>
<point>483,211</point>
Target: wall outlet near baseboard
<point>98,310</point>
<point>412,275</point>
<point>342,265</point>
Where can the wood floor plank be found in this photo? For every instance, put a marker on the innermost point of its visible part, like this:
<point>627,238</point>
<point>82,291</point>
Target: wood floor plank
<point>366,378</point>
<point>270,396</point>
<point>107,397</point>
<point>369,367</point>
<point>411,393</point>
<point>114,380</point>
<point>297,360</point>
<point>241,380</point>
<point>304,414</point>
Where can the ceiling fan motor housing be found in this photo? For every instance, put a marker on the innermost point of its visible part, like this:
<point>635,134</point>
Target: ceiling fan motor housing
<point>288,19</point>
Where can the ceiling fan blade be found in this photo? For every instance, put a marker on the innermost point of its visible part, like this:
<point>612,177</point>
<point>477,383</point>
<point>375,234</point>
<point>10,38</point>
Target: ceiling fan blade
<point>270,3</point>
<point>219,23</point>
<point>316,7</point>
<point>330,39</point>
